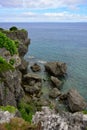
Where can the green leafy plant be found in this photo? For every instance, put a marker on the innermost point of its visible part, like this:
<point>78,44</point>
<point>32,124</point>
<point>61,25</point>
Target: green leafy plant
<point>8,44</point>
<point>26,110</point>
<point>8,108</point>
<point>4,65</point>
<point>13,28</point>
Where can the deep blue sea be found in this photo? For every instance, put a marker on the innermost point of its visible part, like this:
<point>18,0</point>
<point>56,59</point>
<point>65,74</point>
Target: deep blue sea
<point>65,42</point>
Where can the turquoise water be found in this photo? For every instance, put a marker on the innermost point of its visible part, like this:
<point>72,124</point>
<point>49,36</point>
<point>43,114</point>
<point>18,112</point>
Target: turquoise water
<point>65,42</point>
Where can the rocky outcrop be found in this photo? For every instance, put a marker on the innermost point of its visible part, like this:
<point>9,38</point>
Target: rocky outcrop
<point>56,82</point>
<point>35,67</point>
<point>56,68</point>
<point>75,101</point>
<point>60,121</point>
<point>11,90</point>
<point>22,37</point>
<point>32,83</point>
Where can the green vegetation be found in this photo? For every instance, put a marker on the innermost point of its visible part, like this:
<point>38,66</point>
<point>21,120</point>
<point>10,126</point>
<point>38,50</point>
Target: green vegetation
<point>1,29</point>
<point>84,111</point>
<point>9,108</point>
<point>8,44</point>
<point>26,110</point>
<point>13,28</point>
<point>12,61</point>
<point>16,43</point>
<point>4,65</point>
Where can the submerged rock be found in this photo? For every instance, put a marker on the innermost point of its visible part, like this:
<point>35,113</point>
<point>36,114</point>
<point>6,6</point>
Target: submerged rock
<point>56,82</point>
<point>35,67</point>
<point>60,121</point>
<point>56,68</point>
<point>75,101</point>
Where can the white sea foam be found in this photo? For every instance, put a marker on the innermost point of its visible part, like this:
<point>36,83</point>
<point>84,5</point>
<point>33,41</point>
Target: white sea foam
<point>31,57</point>
<point>42,62</point>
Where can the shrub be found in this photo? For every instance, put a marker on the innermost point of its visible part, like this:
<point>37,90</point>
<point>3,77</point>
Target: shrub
<point>8,44</point>
<point>8,108</point>
<point>4,65</point>
<point>26,110</point>
<point>13,28</point>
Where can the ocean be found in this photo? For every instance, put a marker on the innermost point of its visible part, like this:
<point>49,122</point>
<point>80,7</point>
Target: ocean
<point>66,42</point>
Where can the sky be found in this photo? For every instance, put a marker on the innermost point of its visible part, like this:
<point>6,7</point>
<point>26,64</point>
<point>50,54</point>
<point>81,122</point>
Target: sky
<point>43,10</point>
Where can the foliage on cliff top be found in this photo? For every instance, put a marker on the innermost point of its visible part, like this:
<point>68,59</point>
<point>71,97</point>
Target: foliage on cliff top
<point>13,28</point>
<point>4,65</point>
<point>8,44</point>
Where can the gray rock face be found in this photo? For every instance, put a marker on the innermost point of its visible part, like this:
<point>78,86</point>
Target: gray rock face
<point>54,93</point>
<point>35,67</point>
<point>56,68</point>
<point>56,121</point>
<point>10,88</point>
<point>56,82</point>
<point>23,66</point>
<point>75,101</point>
<point>5,116</point>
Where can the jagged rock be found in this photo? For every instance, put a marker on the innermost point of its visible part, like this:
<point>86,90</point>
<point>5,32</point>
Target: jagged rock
<point>32,83</point>
<point>54,93</point>
<point>23,66</point>
<point>35,67</point>
<point>75,101</point>
<point>32,89</point>
<point>30,77</point>
<point>60,121</point>
<point>56,82</point>
<point>56,68</point>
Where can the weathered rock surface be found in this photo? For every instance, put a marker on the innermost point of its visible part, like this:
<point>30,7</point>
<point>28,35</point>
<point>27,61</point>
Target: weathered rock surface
<point>60,121</point>
<point>32,83</point>
<point>54,93</point>
<point>75,101</point>
<point>35,67</point>
<point>23,66</point>
<point>56,82</point>
<point>30,76</point>
<point>56,68</point>
<point>5,116</point>
<point>10,88</point>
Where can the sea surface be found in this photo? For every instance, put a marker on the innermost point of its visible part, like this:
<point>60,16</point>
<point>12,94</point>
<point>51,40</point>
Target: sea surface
<point>66,42</point>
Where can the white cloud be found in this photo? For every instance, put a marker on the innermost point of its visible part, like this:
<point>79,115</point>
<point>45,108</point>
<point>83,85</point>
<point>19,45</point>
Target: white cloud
<point>65,16</point>
<point>42,3</point>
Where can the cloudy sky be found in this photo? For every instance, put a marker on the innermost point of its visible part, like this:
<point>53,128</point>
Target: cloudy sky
<point>43,10</point>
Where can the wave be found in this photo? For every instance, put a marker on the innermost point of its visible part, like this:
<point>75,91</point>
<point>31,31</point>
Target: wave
<point>42,62</point>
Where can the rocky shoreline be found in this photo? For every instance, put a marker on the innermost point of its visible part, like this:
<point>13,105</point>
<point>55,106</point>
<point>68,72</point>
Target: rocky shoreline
<point>23,90</point>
